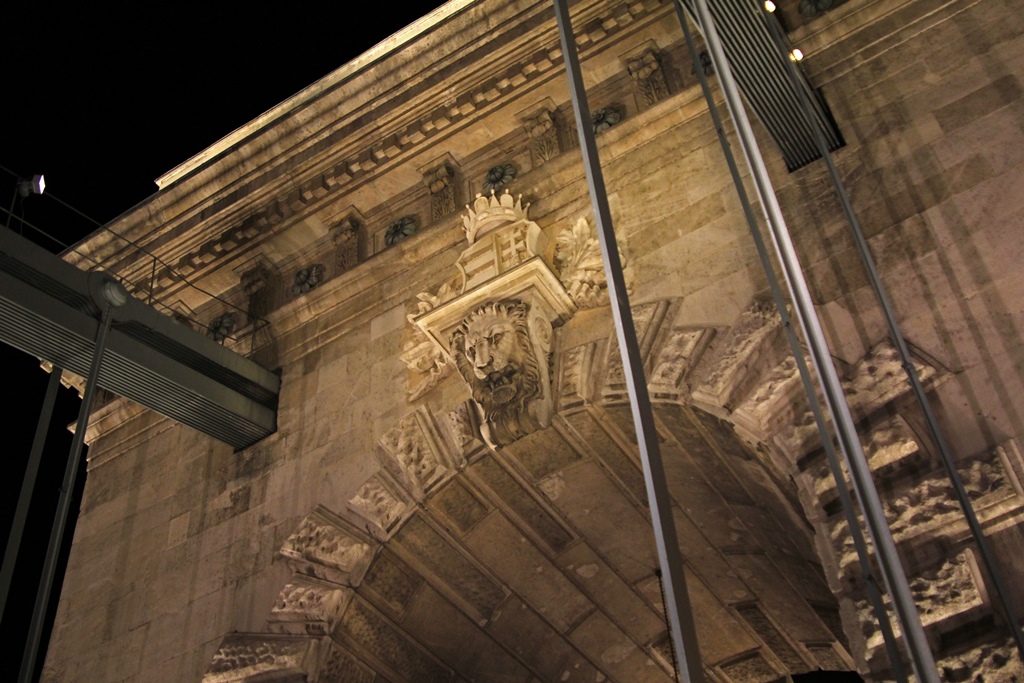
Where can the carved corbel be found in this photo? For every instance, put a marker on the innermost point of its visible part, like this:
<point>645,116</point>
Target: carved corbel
<point>258,282</point>
<point>440,180</point>
<point>497,327</point>
<point>648,77</point>
<point>346,238</point>
<point>541,125</point>
<point>499,336</point>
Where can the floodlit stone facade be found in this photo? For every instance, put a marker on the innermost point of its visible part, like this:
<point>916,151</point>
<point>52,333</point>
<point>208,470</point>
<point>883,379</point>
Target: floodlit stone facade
<point>454,491</point>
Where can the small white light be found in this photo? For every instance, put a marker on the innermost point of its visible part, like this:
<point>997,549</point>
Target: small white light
<point>796,55</point>
<point>34,186</point>
<point>769,5</point>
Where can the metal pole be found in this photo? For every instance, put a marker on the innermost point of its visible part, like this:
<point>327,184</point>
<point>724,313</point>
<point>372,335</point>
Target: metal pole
<point>922,661</point>
<point>678,611</point>
<point>111,295</point>
<point>901,345</point>
<point>874,596</point>
<point>28,485</point>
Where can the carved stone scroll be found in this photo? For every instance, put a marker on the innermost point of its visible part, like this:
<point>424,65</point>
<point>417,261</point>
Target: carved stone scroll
<point>647,318</point>
<point>577,375</point>
<point>325,547</point>
<point>464,428</point>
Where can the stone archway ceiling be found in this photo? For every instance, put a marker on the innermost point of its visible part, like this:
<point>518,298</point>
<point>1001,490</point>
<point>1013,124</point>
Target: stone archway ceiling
<point>534,561</point>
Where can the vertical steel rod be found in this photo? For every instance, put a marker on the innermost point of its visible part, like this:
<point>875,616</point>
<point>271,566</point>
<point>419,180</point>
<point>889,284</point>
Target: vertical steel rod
<point>678,610</point>
<point>35,631</point>
<point>922,661</point>
<point>28,485</point>
<point>874,596</point>
<point>896,333</point>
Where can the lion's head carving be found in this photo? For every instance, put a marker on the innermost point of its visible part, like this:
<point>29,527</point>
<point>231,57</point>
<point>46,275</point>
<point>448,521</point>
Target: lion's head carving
<point>494,354</point>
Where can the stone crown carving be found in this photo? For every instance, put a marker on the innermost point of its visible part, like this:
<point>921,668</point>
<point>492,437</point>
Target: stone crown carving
<point>487,213</point>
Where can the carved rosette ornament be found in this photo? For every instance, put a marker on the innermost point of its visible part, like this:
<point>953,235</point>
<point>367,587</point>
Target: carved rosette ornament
<point>497,327</point>
<point>604,118</point>
<point>221,327</point>
<point>307,279</point>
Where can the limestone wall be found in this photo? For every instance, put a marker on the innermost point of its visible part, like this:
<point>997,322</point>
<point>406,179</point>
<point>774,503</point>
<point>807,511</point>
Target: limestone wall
<point>179,538</point>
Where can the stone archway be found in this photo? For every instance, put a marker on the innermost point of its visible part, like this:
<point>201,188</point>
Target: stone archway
<point>534,560</point>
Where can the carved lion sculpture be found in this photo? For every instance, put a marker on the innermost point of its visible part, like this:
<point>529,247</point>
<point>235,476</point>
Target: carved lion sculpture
<point>493,351</point>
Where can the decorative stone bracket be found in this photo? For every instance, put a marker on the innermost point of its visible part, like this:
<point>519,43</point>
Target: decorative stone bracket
<point>496,328</point>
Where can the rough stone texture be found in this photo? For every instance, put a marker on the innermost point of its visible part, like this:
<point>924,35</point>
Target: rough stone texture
<point>383,532</point>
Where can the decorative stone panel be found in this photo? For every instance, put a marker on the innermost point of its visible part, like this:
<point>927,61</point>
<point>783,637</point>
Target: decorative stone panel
<point>308,606</point>
<point>341,666</point>
<point>435,555</point>
<point>376,635</point>
<point>413,453</point>
<point>258,656</point>
<point>328,548</point>
<point>675,355</point>
<point>383,503</point>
